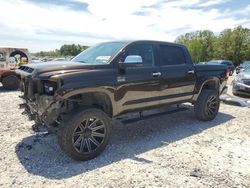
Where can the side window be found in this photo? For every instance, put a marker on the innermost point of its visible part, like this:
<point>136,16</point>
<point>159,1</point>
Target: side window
<point>146,51</point>
<point>171,55</point>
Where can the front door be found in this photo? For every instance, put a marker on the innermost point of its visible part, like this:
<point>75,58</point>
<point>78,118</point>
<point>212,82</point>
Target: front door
<point>137,86</point>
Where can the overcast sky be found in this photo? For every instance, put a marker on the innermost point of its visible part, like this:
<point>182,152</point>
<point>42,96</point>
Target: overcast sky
<point>48,24</point>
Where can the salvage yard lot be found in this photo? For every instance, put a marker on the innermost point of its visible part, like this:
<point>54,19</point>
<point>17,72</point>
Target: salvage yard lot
<point>169,148</point>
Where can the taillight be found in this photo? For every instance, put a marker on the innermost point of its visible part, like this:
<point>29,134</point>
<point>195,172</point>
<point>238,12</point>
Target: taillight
<point>227,73</point>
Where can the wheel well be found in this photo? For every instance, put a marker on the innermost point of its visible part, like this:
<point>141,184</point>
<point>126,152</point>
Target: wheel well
<point>92,99</point>
<point>212,84</point>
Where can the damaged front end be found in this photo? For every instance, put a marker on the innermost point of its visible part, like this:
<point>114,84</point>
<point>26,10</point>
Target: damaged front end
<point>39,100</point>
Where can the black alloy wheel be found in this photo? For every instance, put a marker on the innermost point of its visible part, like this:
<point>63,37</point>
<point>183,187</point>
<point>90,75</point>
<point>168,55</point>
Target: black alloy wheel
<point>207,105</point>
<point>88,135</point>
<point>212,106</point>
<point>84,133</point>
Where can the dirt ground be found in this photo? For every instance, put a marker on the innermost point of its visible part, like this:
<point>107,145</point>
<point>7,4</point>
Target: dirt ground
<point>168,148</point>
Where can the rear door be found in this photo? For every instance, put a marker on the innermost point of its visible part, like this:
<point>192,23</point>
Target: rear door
<point>177,74</point>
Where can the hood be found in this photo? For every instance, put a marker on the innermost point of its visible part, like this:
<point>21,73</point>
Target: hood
<point>34,69</point>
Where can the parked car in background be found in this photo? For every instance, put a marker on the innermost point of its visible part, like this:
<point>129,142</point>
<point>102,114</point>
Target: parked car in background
<point>59,59</point>
<point>241,84</point>
<point>69,58</point>
<point>46,59</point>
<point>35,60</point>
<point>228,63</point>
<point>203,62</point>
<point>242,66</point>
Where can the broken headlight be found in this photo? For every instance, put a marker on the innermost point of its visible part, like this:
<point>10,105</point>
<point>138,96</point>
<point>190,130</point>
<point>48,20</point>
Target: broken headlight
<point>49,87</point>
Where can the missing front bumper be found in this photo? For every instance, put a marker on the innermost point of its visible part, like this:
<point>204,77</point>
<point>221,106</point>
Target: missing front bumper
<point>44,109</point>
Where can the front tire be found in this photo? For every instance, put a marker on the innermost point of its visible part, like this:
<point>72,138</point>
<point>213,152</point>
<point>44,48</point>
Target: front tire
<point>207,106</point>
<point>84,134</point>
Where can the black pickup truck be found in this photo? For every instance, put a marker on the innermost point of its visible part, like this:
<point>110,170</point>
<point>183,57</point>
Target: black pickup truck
<point>81,97</point>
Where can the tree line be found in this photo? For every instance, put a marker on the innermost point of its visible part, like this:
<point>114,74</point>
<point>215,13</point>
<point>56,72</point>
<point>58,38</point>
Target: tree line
<point>64,51</point>
<point>230,44</point>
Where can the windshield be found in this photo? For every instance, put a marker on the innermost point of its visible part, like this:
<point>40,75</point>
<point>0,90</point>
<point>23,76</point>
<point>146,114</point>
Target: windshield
<point>99,54</point>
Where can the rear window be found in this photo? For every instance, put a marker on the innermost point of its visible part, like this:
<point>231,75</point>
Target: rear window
<point>171,55</point>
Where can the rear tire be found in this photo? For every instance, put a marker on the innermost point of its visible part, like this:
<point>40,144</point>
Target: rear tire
<point>84,134</point>
<point>11,82</point>
<point>207,106</point>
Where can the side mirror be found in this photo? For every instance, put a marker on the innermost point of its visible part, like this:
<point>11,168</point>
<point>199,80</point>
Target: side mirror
<point>133,59</point>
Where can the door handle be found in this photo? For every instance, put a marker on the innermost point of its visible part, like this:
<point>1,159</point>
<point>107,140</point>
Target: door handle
<point>190,72</point>
<point>156,74</point>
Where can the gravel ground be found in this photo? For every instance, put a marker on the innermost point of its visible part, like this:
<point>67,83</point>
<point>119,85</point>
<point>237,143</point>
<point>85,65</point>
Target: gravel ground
<point>168,148</point>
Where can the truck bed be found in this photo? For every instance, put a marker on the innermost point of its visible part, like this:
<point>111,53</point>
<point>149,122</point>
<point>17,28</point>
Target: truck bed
<point>212,70</point>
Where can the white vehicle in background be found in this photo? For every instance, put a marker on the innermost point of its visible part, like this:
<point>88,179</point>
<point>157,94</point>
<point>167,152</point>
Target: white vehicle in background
<point>10,60</point>
<point>59,59</point>
<point>241,84</point>
<point>242,66</point>
<point>36,60</point>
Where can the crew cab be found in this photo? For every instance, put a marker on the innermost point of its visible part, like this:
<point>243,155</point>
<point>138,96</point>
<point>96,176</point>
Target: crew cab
<point>82,96</point>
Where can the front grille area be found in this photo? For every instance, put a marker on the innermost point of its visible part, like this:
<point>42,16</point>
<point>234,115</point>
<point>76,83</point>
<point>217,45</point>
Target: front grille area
<point>24,88</point>
<point>246,81</point>
<point>26,69</point>
<point>31,87</point>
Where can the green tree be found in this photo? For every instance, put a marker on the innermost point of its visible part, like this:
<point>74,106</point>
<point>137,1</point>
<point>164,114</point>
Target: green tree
<point>199,43</point>
<point>246,46</point>
<point>222,46</point>
<point>240,44</point>
<point>72,49</point>
<point>65,50</point>
<point>233,44</point>
<point>230,44</point>
<point>207,40</point>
